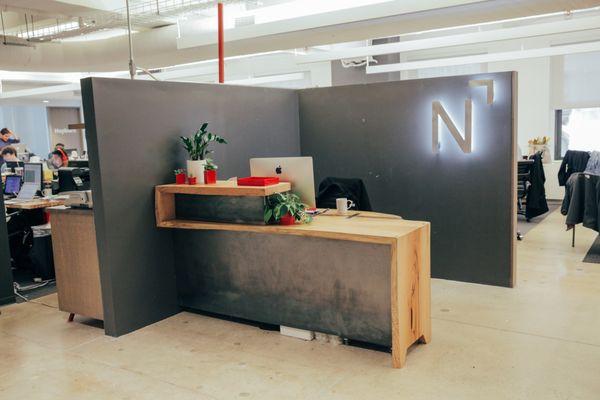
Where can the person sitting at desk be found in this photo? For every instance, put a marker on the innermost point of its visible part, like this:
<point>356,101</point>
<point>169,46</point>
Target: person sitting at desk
<point>58,146</point>
<point>8,154</point>
<point>59,159</point>
<point>7,137</point>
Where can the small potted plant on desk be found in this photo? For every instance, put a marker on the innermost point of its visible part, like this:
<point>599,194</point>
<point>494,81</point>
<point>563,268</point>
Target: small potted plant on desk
<point>285,209</point>
<point>210,172</point>
<point>180,176</point>
<point>197,148</point>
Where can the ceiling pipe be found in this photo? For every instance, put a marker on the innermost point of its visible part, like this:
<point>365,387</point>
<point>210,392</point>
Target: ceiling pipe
<point>132,69</point>
<point>221,50</point>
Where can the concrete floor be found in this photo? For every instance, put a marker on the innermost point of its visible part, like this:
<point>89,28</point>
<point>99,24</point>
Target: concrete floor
<point>538,341</point>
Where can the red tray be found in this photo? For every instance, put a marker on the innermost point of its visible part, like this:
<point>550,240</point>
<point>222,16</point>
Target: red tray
<point>258,181</point>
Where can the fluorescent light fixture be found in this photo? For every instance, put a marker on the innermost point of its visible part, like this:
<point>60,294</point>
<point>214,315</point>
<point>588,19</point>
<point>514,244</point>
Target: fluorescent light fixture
<point>45,101</point>
<point>486,58</point>
<point>303,8</point>
<point>548,28</point>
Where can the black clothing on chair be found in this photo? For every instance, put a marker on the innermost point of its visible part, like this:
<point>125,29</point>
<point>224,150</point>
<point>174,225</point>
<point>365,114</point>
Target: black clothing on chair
<point>573,161</point>
<point>536,193</point>
<point>351,188</point>
<point>583,204</point>
<point>571,195</point>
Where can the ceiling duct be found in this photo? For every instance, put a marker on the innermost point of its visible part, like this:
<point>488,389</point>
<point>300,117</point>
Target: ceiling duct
<point>147,14</point>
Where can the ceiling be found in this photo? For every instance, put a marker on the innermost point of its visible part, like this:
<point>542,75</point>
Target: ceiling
<point>184,36</point>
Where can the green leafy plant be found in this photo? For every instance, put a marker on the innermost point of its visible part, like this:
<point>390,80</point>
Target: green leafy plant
<point>280,204</point>
<point>197,145</point>
<point>179,171</point>
<point>210,165</point>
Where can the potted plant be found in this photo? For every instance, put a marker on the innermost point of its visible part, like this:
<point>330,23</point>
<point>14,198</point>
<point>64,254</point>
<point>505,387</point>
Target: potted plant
<point>197,148</point>
<point>180,176</point>
<point>541,144</point>
<point>285,209</point>
<point>191,180</point>
<point>210,172</point>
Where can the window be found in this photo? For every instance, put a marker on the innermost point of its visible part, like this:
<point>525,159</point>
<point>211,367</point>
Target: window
<point>577,129</point>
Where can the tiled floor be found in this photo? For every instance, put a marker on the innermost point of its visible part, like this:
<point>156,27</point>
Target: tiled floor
<point>538,341</point>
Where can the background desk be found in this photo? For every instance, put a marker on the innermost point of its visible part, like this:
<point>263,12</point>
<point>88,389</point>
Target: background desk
<point>34,204</point>
<point>364,278</point>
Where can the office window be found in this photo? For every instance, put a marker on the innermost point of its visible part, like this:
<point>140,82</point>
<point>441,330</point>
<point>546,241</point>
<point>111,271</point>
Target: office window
<point>577,129</point>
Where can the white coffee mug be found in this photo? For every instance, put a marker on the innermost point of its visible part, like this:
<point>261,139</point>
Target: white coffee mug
<point>343,204</point>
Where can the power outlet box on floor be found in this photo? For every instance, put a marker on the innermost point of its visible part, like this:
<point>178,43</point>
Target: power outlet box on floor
<point>296,333</point>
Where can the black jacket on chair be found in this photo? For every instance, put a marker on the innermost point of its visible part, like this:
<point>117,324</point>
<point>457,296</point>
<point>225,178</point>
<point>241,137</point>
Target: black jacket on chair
<point>352,189</point>
<point>536,194</point>
<point>573,161</point>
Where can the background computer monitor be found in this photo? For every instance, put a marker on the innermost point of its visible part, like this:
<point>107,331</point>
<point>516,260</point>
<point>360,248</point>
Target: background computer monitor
<point>12,184</point>
<point>296,170</point>
<point>32,173</point>
<point>79,163</point>
<point>14,164</point>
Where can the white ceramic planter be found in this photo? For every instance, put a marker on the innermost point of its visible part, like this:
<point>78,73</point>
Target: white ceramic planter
<point>196,168</point>
<point>544,148</point>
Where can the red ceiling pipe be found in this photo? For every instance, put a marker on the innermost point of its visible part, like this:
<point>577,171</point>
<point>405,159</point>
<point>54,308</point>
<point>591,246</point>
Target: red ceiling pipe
<point>221,51</point>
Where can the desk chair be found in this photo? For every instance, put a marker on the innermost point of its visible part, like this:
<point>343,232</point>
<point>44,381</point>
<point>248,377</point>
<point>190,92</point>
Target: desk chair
<point>523,184</point>
<point>351,188</point>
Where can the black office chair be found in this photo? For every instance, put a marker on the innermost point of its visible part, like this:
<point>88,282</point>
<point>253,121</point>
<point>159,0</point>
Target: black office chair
<point>523,184</point>
<point>353,189</point>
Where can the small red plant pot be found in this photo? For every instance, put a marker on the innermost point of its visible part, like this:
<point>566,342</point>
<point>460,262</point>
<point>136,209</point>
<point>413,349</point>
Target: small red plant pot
<point>287,219</point>
<point>210,176</point>
<point>191,180</point>
<point>180,179</point>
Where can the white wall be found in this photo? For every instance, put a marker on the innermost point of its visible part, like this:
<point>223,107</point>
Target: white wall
<point>30,123</point>
<point>534,115</point>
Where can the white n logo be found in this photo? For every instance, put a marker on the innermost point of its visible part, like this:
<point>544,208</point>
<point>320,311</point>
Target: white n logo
<point>438,111</point>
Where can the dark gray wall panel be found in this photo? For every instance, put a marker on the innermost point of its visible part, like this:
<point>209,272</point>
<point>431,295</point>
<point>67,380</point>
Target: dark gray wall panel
<point>382,133</point>
<point>6,278</point>
<point>288,280</point>
<point>132,129</point>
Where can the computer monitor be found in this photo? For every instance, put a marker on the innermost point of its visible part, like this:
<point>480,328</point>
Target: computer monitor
<point>12,184</point>
<point>79,163</point>
<point>32,173</point>
<point>73,179</point>
<point>14,164</point>
<point>296,170</point>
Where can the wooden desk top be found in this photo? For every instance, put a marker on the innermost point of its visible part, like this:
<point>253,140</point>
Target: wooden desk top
<point>34,204</point>
<point>225,188</point>
<point>62,209</point>
<point>365,227</point>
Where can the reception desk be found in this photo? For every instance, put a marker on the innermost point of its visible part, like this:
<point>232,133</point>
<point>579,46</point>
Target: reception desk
<point>363,277</point>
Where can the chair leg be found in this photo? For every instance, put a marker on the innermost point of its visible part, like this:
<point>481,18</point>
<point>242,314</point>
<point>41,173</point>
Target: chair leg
<point>71,317</point>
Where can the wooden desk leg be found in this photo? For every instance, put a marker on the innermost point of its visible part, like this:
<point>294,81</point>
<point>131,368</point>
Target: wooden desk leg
<point>410,294</point>
<point>71,317</point>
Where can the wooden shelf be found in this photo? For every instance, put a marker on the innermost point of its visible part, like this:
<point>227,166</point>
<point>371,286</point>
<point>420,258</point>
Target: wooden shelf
<point>165,194</point>
<point>225,188</point>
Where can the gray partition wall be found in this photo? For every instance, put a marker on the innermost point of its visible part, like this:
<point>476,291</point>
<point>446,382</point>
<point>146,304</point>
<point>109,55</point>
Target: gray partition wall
<point>383,133</point>
<point>133,130</point>
<point>6,279</point>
